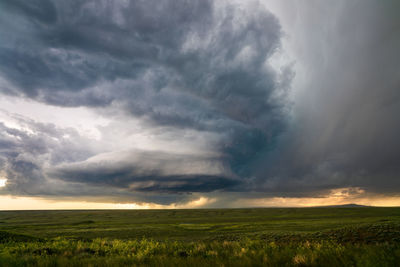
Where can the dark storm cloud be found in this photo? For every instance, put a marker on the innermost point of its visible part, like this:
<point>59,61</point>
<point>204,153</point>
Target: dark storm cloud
<point>128,178</point>
<point>146,171</point>
<point>205,70</point>
<point>28,156</point>
<point>88,42</point>
<point>197,65</point>
<point>36,10</point>
<point>201,65</point>
<point>346,125</point>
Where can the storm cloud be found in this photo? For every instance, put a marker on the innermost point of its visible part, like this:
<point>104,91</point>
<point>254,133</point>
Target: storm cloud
<point>195,101</point>
<point>204,69</point>
<point>345,127</point>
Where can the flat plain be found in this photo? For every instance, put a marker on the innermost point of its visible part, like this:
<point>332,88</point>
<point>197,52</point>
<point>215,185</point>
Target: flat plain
<point>328,236</point>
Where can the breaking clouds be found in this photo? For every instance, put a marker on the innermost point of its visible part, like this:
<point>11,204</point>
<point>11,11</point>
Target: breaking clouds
<point>194,101</point>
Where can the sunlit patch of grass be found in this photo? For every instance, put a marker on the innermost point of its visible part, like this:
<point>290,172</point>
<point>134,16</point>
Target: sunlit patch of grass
<point>103,252</point>
<point>193,226</point>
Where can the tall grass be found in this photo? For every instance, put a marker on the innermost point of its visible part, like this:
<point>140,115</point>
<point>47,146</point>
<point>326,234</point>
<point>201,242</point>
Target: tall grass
<point>102,252</point>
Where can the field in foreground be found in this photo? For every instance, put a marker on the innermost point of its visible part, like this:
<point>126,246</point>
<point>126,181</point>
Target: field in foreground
<point>221,237</point>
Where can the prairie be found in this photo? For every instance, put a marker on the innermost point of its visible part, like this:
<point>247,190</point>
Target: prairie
<point>364,236</point>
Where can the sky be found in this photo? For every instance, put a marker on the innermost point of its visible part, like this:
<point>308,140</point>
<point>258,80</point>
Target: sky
<point>199,104</point>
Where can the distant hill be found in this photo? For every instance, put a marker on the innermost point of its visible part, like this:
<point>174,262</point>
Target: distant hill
<point>351,205</point>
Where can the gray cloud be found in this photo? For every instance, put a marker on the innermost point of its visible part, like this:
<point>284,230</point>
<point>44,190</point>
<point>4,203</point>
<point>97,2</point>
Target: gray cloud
<point>28,157</point>
<point>25,152</point>
<point>345,127</point>
<point>143,171</point>
<point>201,53</point>
<point>206,71</point>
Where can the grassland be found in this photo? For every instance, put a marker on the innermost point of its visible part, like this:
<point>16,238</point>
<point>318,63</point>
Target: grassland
<point>215,237</point>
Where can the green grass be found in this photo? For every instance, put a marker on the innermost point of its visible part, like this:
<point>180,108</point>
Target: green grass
<point>214,237</point>
<point>100,252</point>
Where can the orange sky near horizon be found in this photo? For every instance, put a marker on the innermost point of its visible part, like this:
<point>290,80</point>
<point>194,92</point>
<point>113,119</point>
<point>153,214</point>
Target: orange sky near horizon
<point>35,203</point>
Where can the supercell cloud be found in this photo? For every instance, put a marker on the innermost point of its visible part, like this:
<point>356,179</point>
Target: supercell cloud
<point>191,98</point>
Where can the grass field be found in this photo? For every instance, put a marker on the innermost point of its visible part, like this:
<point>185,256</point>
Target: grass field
<point>217,237</point>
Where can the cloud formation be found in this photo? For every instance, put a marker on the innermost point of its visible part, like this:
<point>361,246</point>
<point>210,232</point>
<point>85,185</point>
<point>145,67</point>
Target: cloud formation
<point>205,71</point>
<point>195,101</point>
<point>345,127</point>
